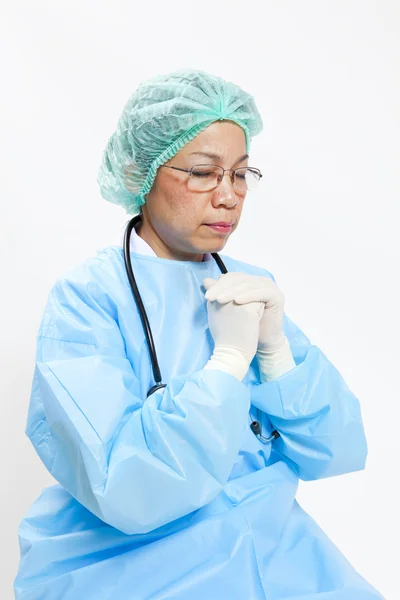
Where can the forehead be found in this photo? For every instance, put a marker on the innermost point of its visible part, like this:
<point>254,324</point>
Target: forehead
<point>223,139</point>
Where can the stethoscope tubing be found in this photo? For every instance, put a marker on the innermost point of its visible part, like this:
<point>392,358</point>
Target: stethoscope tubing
<point>255,425</point>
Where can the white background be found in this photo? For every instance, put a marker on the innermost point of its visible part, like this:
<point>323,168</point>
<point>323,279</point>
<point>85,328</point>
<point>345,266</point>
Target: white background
<point>325,222</point>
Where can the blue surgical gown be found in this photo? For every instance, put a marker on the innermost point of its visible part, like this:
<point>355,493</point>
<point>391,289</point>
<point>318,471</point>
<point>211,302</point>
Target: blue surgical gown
<point>172,496</point>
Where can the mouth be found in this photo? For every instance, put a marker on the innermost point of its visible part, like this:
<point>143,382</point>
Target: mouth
<point>220,227</point>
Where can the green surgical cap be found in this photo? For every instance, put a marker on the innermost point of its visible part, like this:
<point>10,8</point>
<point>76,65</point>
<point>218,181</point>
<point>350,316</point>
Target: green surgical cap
<point>160,117</point>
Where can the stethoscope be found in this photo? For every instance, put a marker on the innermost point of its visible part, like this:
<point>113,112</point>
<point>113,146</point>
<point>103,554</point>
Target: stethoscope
<point>255,426</point>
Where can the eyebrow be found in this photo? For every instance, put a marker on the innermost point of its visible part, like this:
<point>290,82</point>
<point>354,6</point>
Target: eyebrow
<point>218,157</point>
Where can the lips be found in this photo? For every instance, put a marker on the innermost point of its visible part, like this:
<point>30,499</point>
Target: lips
<point>221,224</point>
<point>222,229</point>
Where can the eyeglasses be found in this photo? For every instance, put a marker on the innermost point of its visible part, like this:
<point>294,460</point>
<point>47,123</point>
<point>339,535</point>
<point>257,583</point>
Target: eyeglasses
<point>204,178</point>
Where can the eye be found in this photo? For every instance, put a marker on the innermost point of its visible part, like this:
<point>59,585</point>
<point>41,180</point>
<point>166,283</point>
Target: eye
<point>203,171</point>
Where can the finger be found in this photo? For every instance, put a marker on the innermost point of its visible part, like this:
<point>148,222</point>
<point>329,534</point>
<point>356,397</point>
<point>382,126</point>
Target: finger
<point>209,282</point>
<point>263,291</point>
<point>252,295</point>
<point>260,307</point>
<point>222,296</point>
<point>235,291</point>
<point>242,291</point>
<point>225,289</point>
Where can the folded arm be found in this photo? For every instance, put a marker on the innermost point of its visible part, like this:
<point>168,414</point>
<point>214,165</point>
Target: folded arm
<point>136,463</point>
<point>315,412</point>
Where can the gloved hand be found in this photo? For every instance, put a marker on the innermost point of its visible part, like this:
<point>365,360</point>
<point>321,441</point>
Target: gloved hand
<point>273,351</point>
<point>234,328</point>
<point>244,288</point>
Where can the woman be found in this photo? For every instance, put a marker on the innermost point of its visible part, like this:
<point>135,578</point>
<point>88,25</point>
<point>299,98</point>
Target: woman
<point>166,488</point>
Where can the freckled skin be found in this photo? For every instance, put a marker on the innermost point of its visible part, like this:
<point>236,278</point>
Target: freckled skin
<point>173,216</point>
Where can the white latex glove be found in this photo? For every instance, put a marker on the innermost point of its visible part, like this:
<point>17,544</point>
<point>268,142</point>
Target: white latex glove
<point>276,361</point>
<point>234,329</point>
<point>273,351</point>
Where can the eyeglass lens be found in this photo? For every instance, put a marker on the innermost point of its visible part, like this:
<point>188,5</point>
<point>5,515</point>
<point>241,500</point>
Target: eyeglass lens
<point>207,177</point>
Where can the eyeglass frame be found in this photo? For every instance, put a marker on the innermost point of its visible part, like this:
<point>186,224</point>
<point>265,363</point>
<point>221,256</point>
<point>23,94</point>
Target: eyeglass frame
<point>232,171</point>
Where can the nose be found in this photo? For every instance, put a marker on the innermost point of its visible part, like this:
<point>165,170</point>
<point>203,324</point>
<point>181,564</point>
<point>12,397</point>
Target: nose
<point>225,193</point>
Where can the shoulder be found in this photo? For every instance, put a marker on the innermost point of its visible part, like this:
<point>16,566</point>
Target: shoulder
<point>89,288</point>
<point>96,274</point>
<point>107,262</point>
<point>238,265</point>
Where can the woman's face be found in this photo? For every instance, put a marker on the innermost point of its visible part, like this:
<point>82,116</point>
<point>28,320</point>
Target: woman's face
<point>175,218</point>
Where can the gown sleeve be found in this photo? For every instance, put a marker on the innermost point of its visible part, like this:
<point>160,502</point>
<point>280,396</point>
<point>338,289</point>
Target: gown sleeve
<point>137,463</point>
<point>317,416</point>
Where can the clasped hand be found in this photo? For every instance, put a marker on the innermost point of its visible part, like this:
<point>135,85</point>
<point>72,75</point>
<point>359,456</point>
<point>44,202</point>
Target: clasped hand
<point>243,288</point>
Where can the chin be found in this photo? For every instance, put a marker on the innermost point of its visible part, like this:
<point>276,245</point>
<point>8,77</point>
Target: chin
<point>216,248</point>
<point>215,245</point>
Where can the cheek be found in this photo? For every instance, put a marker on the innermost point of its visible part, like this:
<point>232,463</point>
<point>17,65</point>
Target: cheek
<point>240,207</point>
<point>186,209</point>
